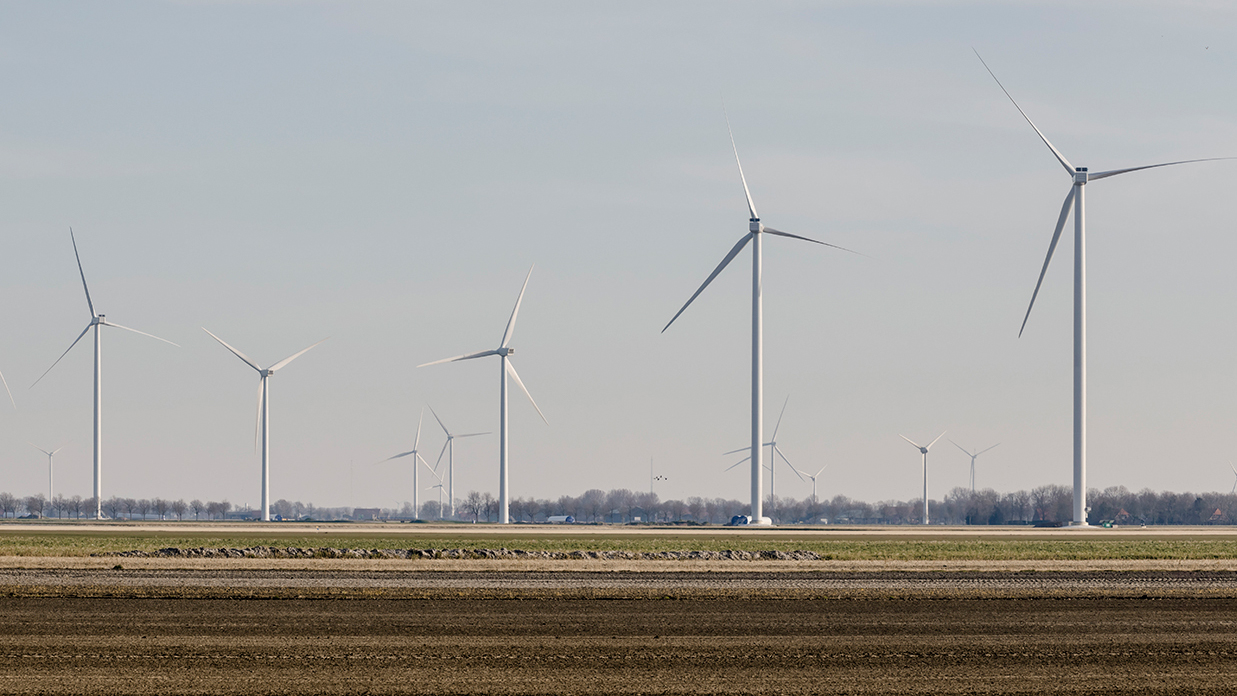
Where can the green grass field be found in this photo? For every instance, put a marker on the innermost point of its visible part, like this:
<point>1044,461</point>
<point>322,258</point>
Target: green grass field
<point>65,541</point>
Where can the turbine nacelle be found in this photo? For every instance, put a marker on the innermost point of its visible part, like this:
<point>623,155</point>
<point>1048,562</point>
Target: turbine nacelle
<point>754,225</point>
<point>505,351</point>
<point>1080,175</point>
<point>98,320</point>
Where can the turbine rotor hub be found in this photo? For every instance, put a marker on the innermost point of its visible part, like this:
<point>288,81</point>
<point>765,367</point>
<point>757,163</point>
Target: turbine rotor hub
<point>1080,175</point>
<point>755,226</point>
<point>506,351</point>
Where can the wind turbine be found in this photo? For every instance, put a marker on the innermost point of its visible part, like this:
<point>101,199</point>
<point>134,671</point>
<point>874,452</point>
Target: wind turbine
<point>262,427</point>
<point>416,456</point>
<point>503,351</point>
<point>448,448</point>
<point>813,477</point>
<point>1081,176</point>
<point>924,451</point>
<point>1234,468</point>
<point>774,452</point>
<point>96,321</point>
<point>973,457</point>
<point>50,456</point>
<point>755,235</point>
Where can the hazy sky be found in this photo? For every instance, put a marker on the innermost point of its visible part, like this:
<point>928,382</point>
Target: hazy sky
<point>385,174</point>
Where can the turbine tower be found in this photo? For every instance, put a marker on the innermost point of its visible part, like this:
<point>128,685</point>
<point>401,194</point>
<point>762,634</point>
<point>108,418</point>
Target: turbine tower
<point>50,456</point>
<point>96,321</point>
<point>1080,176</point>
<point>973,457</point>
<point>503,351</point>
<point>416,456</point>
<point>756,232</point>
<point>924,451</point>
<point>262,427</point>
<point>448,448</point>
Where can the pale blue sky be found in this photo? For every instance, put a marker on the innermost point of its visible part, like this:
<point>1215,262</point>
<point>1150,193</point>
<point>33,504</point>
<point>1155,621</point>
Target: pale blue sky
<point>385,174</point>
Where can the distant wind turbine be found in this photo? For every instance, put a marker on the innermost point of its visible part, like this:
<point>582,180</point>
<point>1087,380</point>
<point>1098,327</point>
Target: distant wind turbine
<point>503,351</point>
<point>973,456</point>
<point>416,457</point>
<point>813,477</point>
<point>756,232</point>
<point>774,453</point>
<point>924,451</point>
<point>1234,468</point>
<point>448,448</point>
<point>96,321</point>
<point>50,456</point>
<point>1081,177</point>
<point>262,427</point>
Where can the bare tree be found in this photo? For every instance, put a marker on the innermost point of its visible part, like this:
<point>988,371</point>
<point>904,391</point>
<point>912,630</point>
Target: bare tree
<point>198,507</point>
<point>162,507</point>
<point>75,505</point>
<point>473,505</point>
<point>8,504</point>
<point>143,507</point>
<point>35,504</point>
<point>179,508</point>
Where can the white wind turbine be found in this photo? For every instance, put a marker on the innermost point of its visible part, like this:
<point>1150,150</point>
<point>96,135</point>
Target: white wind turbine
<point>448,448</point>
<point>50,456</point>
<point>416,456</point>
<point>1234,468</point>
<point>973,456</point>
<point>774,452</point>
<point>924,451</point>
<point>503,351</point>
<point>262,427</point>
<point>96,321</point>
<point>756,232</point>
<point>813,477</point>
<point>1081,177</point>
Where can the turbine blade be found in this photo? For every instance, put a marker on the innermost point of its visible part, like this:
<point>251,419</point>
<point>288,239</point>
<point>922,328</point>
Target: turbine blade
<point>964,449</point>
<point>66,352</point>
<point>257,425</point>
<point>511,371</point>
<point>470,356</point>
<point>427,466</point>
<point>53,452</point>
<point>1104,175</point>
<point>397,456</point>
<point>982,451</point>
<point>751,207</point>
<point>934,441</point>
<point>736,464</point>
<point>471,435</point>
<point>41,449</point>
<point>780,233</point>
<point>7,390</point>
<point>290,358</point>
<point>792,466</point>
<point>440,423</point>
<point>235,352</point>
<point>511,322</point>
<point>779,421</point>
<point>1060,157</point>
<point>741,449</point>
<point>917,446</point>
<point>83,273</point>
<point>818,473</point>
<point>444,451</point>
<point>118,326</point>
<point>734,251</point>
<point>1052,246</point>
<point>416,442</point>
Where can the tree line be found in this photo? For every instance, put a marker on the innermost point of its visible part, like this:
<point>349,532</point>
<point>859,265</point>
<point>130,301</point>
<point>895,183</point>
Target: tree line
<point>1049,504</point>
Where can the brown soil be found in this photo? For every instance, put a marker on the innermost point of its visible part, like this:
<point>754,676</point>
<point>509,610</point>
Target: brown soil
<point>909,633</point>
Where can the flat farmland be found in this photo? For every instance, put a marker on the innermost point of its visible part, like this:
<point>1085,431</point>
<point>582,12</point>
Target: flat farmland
<point>1139,612</point>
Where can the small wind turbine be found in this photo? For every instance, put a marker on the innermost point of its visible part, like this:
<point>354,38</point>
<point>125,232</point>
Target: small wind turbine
<point>973,457</point>
<point>503,351</point>
<point>1234,468</point>
<point>416,456</point>
<point>774,452</point>
<point>924,451</point>
<point>50,456</point>
<point>1080,176</point>
<point>96,321</point>
<point>448,448</point>
<point>756,232</point>
<point>813,477</point>
<point>262,427</point>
